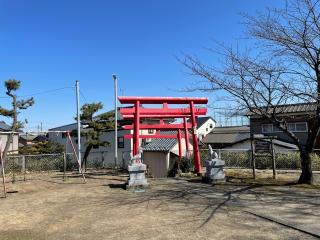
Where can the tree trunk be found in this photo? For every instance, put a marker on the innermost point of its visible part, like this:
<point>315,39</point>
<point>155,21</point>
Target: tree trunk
<point>6,148</point>
<point>85,157</point>
<point>13,128</point>
<point>306,176</point>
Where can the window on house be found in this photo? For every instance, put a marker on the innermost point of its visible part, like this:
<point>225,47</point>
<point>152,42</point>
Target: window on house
<point>211,125</point>
<point>291,127</point>
<point>267,128</point>
<point>301,127</point>
<point>298,127</point>
<point>120,142</point>
<point>95,146</point>
<point>150,131</point>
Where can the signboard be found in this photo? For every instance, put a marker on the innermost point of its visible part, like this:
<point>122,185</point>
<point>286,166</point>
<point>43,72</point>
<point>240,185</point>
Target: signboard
<point>262,147</point>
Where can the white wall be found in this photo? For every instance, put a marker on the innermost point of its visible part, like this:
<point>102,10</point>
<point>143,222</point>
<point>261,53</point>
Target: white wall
<point>13,149</point>
<point>206,128</point>
<point>106,152</point>
<point>175,148</point>
<point>202,131</point>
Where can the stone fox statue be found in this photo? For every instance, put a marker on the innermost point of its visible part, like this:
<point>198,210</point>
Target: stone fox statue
<point>212,154</point>
<point>136,158</point>
<point>214,167</point>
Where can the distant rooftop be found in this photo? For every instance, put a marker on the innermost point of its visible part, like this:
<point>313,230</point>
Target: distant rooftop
<point>296,108</point>
<point>227,134</point>
<point>4,127</point>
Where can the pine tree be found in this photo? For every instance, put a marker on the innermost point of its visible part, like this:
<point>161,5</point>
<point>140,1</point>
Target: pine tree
<point>95,126</point>
<point>12,85</point>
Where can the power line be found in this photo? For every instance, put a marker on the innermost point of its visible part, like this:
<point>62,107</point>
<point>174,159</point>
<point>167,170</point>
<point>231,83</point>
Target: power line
<point>45,92</point>
<point>40,93</point>
<point>82,95</point>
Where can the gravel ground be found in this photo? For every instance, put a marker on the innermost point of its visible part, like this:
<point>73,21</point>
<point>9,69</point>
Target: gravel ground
<point>47,208</point>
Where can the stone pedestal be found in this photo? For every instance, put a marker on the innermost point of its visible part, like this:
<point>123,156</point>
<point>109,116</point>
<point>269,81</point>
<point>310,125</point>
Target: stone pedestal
<point>137,175</point>
<point>214,170</point>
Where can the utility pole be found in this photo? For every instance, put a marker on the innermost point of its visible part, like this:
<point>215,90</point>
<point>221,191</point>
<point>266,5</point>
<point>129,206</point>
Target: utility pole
<point>115,120</point>
<point>79,124</point>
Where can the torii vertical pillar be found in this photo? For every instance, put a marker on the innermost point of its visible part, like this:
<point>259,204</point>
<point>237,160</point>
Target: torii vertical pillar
<point>196,154</point>
<point>179,144</point>
<point>186,134</point>
<point>136,129</point>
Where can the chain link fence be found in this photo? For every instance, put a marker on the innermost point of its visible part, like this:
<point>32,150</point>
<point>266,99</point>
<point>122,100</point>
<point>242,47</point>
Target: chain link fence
<point>22,167</point>
<point>40,166</point>
<point>27,167</point>
<point>241,158</point>
<point>239,161</point>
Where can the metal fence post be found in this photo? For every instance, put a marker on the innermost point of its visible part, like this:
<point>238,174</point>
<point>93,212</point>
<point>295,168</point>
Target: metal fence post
<point>253,158</point>
<point>23,166</point>
<point>64,166</point>
<point>273,161</point>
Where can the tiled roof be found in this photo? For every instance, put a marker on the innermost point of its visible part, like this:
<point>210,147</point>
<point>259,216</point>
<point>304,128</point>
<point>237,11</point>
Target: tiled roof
<point>228,134</point>
<point>4,126</point>
<point>225,137</point>
<point>160,145</point>
<point>28,137</point>
<point>232,129</point>
<point>292,108</point>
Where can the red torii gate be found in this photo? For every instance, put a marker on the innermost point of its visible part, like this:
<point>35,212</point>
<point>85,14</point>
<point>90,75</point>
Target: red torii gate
<point>137,112</point>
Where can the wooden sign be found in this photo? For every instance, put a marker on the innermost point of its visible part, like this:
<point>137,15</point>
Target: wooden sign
<point>262,147</point>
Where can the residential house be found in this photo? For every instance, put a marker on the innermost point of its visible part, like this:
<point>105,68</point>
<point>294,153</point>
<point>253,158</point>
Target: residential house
<point>237,138</point>
<point>297,117</point>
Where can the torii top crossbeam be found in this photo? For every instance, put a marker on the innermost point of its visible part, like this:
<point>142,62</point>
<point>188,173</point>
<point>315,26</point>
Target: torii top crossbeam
<point>161,100</point>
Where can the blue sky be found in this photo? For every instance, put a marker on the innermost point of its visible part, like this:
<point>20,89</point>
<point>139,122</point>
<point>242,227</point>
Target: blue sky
<point>49,44</point>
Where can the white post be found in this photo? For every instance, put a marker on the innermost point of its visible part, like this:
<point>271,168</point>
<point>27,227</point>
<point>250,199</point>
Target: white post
<point>115,120</point>
<point>78,122</point>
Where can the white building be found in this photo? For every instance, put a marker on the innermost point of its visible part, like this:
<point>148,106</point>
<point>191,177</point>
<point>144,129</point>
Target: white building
<point>105,155</point>
<point>4,134</point>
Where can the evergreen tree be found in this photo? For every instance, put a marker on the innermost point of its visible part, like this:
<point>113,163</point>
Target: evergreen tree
<point>12,85</point>
<point>95,126</point>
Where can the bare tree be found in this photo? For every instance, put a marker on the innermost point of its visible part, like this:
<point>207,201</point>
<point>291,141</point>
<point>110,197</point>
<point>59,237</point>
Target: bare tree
<point>13,85</point>
<point>284,67</point>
